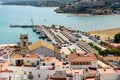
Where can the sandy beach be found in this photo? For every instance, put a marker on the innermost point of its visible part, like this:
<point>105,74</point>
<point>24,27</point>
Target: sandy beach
<point>104,34</point>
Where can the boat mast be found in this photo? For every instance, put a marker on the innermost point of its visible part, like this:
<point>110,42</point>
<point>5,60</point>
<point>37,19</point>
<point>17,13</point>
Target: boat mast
<point>32,21</point>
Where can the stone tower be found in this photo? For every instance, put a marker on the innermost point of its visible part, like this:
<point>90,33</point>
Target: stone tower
<point>24,44</point>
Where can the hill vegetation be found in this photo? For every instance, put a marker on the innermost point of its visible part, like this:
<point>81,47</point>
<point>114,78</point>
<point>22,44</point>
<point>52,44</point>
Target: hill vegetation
<point>98,7</point>
<point>37,3</point>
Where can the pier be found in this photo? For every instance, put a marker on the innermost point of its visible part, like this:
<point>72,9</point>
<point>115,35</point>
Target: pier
<point>22,26</point>
<point>55,34</point>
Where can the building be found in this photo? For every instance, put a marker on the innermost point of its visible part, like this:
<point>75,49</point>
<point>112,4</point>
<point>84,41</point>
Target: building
<point>24,44</point>
<point>112,45</point>
<point>5,72</point>
<point>113,60</point>
<point>107,74</point>
<point>75,74</point>
<point>118,73</point>
<point>39,65</point>
<point>82,60</point>
<point>52,63</point>
<point>44,48</point>
<point>30,60</point>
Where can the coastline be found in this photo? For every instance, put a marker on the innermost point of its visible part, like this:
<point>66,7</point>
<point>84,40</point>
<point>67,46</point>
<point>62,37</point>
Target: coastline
<point>105,34</point>
<point>72,15</point>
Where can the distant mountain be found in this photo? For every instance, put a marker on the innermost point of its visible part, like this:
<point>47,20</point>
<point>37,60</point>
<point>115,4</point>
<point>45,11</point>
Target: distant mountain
<point>39,3</point>
<point>36,0</point>
<point>15,0</point>
<point>94,7</point>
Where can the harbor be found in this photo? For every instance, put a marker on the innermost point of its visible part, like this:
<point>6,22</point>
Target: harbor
<point>61,36</point>
<point>66,39</point>
<point>55,33</point>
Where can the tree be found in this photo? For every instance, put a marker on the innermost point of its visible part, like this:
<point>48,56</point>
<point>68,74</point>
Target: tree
<point>117,38</point>
<point>30,76</point>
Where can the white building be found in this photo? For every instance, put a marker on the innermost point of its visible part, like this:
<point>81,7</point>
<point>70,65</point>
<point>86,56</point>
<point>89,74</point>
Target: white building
<point>26,60</point>
<point>107,74</point>
<point>76,73</point>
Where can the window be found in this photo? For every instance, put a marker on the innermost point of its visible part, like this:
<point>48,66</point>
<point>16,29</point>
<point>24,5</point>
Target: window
<point>24,43</point>
<point>74,63</point>
<point>43,64</point>
<point>38,75</point>
<point>25,37</point>
<point>77,63</point>
<point>80,63</point>
<point>53,64</point>
<point>89,63</point>
<point>83,63</point>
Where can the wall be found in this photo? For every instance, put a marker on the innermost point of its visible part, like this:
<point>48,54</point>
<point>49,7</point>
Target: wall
<point>108,76</point>
<point>44,51</point>
<point>94,64</point>
<point>47,52</point>
<point>43,73</point>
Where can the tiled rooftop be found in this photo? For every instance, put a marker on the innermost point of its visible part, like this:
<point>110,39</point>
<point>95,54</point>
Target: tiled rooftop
<point>3,78</point>
<point>74,71</point>
<point>4,66</point>
<point>75,57</point>
<point>16,56</point>
<point>106,71</point>
<point>50,59</point>
<point>39,44</point>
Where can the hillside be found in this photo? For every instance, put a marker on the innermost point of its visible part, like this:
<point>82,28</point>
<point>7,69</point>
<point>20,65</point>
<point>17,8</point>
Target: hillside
<point>38,3</point>
<point>97,7</point>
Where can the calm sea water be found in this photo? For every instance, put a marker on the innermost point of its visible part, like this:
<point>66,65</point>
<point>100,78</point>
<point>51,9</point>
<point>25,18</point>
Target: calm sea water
<point>23,15</point>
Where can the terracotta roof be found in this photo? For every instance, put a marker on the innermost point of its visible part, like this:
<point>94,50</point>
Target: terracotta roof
<point>32,56</point>
<point>39,44</point>
<point>57,77</point>
<point>51,59</point>
<point>106,71</point>
<point>3,78</point>
<point>18,56</point>
<point>74,71</point>
<point>115,44</point>
<point>4,66</point>
<point>75,58</point>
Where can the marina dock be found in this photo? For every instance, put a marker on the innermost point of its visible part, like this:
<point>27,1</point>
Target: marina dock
<point>22,26</point>
<point>55,34</point>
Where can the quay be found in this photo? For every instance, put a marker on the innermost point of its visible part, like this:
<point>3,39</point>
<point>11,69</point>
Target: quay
<point>68,35</point>
<point>22,26</point>
<point>55,34</point>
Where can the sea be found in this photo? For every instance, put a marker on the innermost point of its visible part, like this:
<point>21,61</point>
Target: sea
<point>18,15</point>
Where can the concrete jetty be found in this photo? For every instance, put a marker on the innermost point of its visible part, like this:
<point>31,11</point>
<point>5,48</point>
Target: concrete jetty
<point>55,34</point>
<point>22,26</point>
